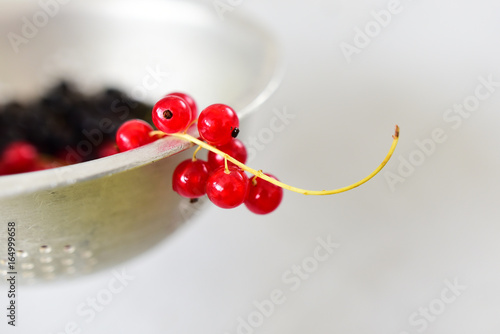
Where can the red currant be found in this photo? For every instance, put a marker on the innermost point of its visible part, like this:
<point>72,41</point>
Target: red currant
<point>171,114</point>
<point>190,178</point>
<point>263,197</point>
<point>235,148</point>
<point>47,163</point>
<point>227,190</point>
<point>3,169</point>
<point>190,102</point>
<point>108,148</point>
<point>218,124</point>
<point>132,134</point>
<point>19,157</point>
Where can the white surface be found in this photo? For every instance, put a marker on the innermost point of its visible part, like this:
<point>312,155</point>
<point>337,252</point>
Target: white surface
<point>398,248</point>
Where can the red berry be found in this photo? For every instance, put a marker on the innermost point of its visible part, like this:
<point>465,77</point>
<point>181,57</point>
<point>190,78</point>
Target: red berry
<point>227,190</point>
<point>190,102</point>
<point>263,197</point>
<point>190,178</point>
<point>218,124</point>
<point>19,157</point>
<point>132,134</point>
<point>47,163</point>
<point>69,156</point>
<point>234,148</point>
<point>171,114</point>
<point>108,148</point>
<point>3,169</point>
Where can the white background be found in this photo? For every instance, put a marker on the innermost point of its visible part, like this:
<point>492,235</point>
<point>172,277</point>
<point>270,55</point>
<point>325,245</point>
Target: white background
<point>399,245</point>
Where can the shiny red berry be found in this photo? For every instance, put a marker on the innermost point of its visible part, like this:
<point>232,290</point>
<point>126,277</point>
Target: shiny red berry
<point>190,102</point>
<point>263,197</point>
<point>171,114</point>
<point>234,148</point>
<point>218,124</point>
<point>19,157</point>
<point>227,190</point>
<point>132,134</point>
<point>190,178</point>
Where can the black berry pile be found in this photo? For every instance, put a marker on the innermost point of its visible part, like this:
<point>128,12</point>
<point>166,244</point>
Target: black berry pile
<point>66,126</point>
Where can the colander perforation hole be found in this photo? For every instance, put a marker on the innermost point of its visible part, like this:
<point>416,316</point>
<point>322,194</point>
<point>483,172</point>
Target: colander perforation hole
<point>87,254</point>
<point>22,254</point>
<point>67,262</point>
<point>45,249</point>
<point>46,259</point>
<point>27,266</point>
<point>48,269</point>
<point>69,249</point>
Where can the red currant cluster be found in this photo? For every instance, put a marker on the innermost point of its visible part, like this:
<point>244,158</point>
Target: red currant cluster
<point>224,182</point>
<point>66,119</point>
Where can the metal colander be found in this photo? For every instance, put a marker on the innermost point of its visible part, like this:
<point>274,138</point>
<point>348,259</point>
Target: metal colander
<point>78,219</point>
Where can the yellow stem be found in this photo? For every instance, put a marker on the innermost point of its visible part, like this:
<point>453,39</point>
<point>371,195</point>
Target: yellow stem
<point>157,132</point>
<point>260,174</point>
<point>196,151</point>
<point>190,124</point>
<point>226,168</point>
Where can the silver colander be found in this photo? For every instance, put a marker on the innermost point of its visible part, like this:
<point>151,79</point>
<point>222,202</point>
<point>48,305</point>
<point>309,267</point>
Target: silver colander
<point>78,219</point>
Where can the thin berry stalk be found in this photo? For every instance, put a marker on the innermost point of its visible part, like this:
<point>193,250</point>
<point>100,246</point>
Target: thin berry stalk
<point>260,174</point>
